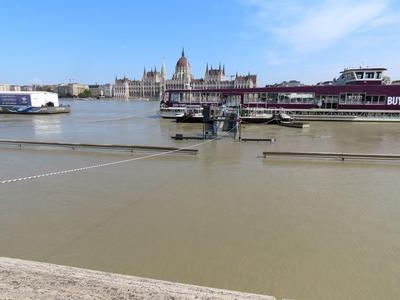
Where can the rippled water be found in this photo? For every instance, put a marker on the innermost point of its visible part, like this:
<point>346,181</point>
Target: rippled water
<point>227,218</point>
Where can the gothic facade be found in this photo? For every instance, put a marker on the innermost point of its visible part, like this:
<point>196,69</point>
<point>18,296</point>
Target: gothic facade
<point>154,83</point>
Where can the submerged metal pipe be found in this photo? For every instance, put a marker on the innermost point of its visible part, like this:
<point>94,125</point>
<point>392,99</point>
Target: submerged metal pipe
<point>342,156</point>
<point>75,146</point>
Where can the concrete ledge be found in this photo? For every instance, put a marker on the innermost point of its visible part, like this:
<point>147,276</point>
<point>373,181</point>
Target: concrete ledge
<point>21,279</point>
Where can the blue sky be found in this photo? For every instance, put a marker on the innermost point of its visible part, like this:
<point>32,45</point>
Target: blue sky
<point>92,41</point>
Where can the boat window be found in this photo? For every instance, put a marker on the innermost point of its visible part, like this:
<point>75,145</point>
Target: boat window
<point>349,76</point>
<point>252,97</point>
<point>272,97</point>
<point>295,97</point>
<point>378,75</point>
<point>284,98</point>
<point>370,75</point>
<point>360,75</point>
<point>354,98</point>
<point>175,97</point>
<point>263,97</point>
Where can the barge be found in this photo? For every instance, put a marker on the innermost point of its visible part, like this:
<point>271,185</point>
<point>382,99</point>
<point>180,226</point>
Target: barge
<point>360,94</point>
<point>31,103</point>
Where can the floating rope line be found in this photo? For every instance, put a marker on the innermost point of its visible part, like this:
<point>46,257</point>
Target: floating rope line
<point>86,168</point>
<point>104,164</point>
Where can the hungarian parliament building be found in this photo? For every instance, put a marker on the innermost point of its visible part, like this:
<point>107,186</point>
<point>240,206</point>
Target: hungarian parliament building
<point>154,83</point>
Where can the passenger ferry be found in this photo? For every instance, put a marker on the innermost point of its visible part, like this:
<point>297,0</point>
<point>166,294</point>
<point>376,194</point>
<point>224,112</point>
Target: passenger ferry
<point>359,94</point>
<point>31,103</point>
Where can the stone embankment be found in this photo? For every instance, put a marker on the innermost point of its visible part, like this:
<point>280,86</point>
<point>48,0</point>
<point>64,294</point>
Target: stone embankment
<point>21,279</point>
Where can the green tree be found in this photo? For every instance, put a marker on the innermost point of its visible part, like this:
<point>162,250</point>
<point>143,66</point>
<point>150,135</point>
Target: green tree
<point>85,94</point>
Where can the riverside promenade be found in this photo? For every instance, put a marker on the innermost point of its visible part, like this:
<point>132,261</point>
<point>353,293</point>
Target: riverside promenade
<point>22,279</point>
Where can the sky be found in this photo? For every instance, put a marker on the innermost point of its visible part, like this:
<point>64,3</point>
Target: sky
<point>93,41</point>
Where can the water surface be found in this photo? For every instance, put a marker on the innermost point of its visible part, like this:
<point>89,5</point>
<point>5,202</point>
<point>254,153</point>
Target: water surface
<point>227,218</point>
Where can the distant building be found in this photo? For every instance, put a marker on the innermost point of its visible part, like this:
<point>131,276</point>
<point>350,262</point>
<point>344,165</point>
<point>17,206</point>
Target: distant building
<point>102,90</point>
<point>4,87</point>
<point>15,88</point>
<point>396,82</point>
<point>9,88</point>
<point>71,89</point>
<point>94,90</point>
<point>74,89</point>
<point>62,90</point>
<point>27,88</point>
<point>121,88</point>
<point>107,90</point>
<point>44,88</point>
<point>154,83</point>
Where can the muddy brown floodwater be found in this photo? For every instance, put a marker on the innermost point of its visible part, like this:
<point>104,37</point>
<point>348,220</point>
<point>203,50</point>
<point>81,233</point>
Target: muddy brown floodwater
<point>226,218</point>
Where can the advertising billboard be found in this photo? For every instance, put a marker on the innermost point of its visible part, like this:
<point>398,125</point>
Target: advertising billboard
<point>15,99</point>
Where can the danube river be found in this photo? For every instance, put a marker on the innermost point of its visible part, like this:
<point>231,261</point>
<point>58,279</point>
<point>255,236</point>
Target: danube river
<point>226,218</point>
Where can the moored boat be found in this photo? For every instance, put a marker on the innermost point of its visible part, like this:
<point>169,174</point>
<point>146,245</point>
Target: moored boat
<point>360,94</point>
<point>31,103</point>
<point>191,115</point>
<point>171,112</point>
<point>294,124</point>
<point>256,115</point>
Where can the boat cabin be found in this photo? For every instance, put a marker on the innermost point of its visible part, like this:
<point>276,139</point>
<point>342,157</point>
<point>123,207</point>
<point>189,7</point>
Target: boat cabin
<point>29,99</point>
<point>361,76</point>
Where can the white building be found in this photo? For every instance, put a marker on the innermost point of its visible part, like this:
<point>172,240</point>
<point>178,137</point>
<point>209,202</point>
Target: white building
<point>9,88</point>
<point>4,87</point>
<point>74,89</point>
<point>121,88</point>
<point>102,90</point>
<point>71,89</point>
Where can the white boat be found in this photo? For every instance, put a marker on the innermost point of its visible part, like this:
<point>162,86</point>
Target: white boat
<point>256,115</point>
<point>171,112</point>
<point>31,103</point>
<point>191,115</point>
<point>284,116</point>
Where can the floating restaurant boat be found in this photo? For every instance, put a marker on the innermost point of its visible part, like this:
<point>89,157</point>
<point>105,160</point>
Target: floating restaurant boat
<point>359,94</point>
<point>31,103</point>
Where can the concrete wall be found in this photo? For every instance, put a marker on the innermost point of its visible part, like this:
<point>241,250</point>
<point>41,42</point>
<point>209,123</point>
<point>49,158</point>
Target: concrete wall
<point>21,279</point>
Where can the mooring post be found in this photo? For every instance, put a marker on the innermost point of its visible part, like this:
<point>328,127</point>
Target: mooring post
<point>240,130</point>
